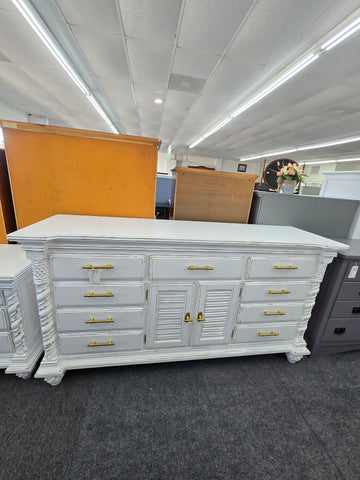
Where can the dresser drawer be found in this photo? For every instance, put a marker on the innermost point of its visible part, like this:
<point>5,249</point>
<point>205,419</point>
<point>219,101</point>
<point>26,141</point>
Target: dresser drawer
<point>6,343</point>
<point>108,267</point>
<point>109,342</point>
<point>277,267</point>
<point>346,309</point>
<point>67,294</point>
<point>3,319</point>
<point>270,312</point>
<point>274,291</point>
<point>342,330</point>
<point>349,291</point>
<point>272,332</point>
<point>195,267</point>
<point>104,319</point>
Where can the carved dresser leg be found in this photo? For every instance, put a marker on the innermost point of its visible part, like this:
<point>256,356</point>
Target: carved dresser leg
<point>54,379</point>
<point>293,357</point>
<point>23,375</point>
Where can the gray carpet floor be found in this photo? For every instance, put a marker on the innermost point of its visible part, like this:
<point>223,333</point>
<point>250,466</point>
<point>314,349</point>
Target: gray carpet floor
<point>248,418</point>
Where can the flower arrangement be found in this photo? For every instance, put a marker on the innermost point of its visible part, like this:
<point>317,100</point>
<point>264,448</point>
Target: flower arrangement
<point>291,172</point>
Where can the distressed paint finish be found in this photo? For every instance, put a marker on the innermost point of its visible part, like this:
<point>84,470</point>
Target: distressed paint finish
<point>189,313</point>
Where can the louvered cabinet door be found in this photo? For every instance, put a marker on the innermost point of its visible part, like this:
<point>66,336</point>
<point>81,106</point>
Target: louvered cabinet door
<point>215,312</point>
<point>168,307</point>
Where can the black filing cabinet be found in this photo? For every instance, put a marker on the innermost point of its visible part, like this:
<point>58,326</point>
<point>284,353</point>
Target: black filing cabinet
<point>334,325</point>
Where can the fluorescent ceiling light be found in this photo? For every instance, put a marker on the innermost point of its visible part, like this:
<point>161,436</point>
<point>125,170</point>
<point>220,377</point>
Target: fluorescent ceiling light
<point>330,144</point>
<point>349,160</point>
<point>217,127</point>
<point>344,33</point>
<point>158,101</point>
<point>45,35</point>
<point>196,142</point>
<point>318,163</point>
<point>274,85</point>
<point>340,141</point>
<point>289,73</point>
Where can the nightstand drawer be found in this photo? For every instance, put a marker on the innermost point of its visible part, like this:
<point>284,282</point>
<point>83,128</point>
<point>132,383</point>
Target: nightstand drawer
<point>349,291</point>
<point>195,267</point>
<point>342,330</point>
<point>346,309</point>
<point>277,267</point>
<point>270,312</point>
<point>272,291</point>
<point>6,343</point>
<point>101,342</point>
<point>3,319</point>
<point>272,332</point>
<point>104,319</point>
<point>67,294</point>
<point>108,267</point>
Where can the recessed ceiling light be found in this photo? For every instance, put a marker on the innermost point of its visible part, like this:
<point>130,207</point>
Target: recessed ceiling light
<point>158,100</point>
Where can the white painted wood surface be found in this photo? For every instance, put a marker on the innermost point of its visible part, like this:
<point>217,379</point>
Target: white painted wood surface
<point>202,291</point>
<point>20,337</point>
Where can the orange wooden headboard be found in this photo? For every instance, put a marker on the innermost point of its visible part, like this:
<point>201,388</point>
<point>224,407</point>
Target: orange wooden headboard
<point>61,170</point>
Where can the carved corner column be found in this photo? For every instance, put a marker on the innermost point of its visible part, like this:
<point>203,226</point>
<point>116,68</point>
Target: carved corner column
<point>18,333</point>
<point>51,361</point>
<point>299,344</point>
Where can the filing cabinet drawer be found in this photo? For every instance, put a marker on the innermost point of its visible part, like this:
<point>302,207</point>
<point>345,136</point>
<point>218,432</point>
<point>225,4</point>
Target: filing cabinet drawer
<point>352,272</point>
<point>195,267</point>
<point>108,267</point>
<point>6,343</point>
<point>272,332</point>
<point>3,320</point>
<point>342,330</point>
<point>101,342</point>
<point>346,309</point>
<point>277,267</point>
<point>272,291</point>
<point>270,312</point>
<point>67,294</point>
<point>104,319</point>
<point>349,291</point>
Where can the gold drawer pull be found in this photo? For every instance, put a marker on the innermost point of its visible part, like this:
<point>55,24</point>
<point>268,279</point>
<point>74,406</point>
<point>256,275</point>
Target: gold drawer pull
<point>89,266</point>
<point>187,317</point>
<point>108,320</point>
<point>279,312</point>
<point>290,267</point>
<point>200,317</point>
<point>272,292</point>
<point>271,334</point>
<point>207,267</point>
<point>94,344</point>
<point>92,294</point>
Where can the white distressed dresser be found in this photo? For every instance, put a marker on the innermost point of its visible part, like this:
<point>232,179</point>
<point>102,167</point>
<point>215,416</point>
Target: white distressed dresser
<point>20,337</point>
<point>120,291</point>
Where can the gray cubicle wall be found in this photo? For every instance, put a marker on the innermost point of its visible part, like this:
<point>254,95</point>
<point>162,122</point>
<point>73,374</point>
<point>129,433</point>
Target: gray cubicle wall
<point>329,217</point>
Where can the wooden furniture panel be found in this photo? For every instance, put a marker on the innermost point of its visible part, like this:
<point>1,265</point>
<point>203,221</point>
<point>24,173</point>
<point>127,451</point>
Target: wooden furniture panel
<point>61,170</point>
<point>7,215</point>
<point>185,318</point>
<point>212,196</point>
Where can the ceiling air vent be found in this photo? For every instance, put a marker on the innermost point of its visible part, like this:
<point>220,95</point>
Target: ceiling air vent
<point>183,83</point>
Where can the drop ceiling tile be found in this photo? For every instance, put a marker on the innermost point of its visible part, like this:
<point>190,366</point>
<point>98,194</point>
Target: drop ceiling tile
<point>153,20</point>
<point>97,15</point>
<point>209,25</point>
<point>179,102</point>
<point>105,53</point>
<point>150,63</point>
<point>194,63</point>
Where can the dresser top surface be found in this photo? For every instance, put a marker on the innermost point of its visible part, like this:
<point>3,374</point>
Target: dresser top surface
<point>12,261</point>
<point>82,227</point>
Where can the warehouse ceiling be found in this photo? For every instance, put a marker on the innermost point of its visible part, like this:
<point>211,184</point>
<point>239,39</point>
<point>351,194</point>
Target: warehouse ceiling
<point>203,58</point>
